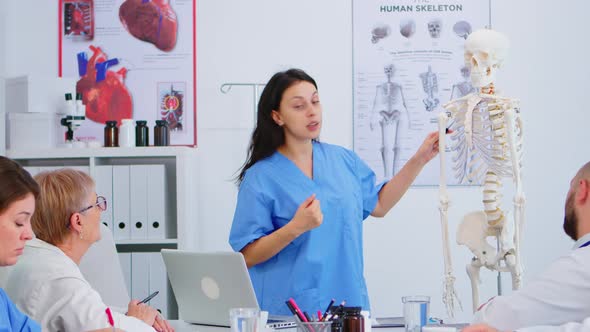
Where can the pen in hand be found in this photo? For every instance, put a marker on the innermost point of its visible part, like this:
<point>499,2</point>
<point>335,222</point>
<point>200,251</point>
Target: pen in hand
<point>147,299</point>
<point>151,296</point>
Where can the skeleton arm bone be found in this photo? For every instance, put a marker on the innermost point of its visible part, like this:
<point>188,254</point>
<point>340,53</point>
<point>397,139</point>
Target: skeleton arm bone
<point>401,92</point>
<point>519,199</point>
<point>374,113</point>
<point>449,293</point>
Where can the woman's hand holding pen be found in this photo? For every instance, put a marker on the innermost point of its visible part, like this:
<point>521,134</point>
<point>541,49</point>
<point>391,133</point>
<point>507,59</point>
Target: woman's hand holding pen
<point>142,312</point>
<point>308,216</point>
<point>148,315</point>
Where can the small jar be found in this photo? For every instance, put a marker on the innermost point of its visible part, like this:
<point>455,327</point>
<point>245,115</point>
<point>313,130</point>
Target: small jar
<point>111,134</point>
<point>336,325</point>
<point>353,321</point>
<point>161,133</point>
<point>142,137</point>
<point>126,133</point>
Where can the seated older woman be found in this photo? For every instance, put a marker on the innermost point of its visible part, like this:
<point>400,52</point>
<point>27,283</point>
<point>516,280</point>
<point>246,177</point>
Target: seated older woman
<point>17,204</point>
<point>67,223</point>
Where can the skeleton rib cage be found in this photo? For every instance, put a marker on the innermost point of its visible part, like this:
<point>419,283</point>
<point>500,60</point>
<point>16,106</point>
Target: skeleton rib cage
<point>479,143</point>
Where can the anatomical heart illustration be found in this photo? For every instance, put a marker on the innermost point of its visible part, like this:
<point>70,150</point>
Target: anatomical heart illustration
<point>152,21</point>
<point>103,91</point>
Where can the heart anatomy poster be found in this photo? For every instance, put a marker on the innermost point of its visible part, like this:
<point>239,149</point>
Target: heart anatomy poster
<point>408,60</point>
<point>132,59</point>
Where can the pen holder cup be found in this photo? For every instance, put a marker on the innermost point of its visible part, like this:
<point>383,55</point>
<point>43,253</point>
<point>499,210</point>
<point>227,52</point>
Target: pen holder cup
<point>314,326</point>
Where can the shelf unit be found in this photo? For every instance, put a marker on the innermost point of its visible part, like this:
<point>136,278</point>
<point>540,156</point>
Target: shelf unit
<point>180,168</point>
<point>180,172</point>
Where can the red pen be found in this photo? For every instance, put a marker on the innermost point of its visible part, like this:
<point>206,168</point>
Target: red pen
<point>110,317</point>
<point>298,311</point>
<point>319,315</point>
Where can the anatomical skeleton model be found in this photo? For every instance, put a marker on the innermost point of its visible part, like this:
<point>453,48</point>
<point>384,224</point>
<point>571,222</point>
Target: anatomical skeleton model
<point>389,110</point>
<point>487,139</point>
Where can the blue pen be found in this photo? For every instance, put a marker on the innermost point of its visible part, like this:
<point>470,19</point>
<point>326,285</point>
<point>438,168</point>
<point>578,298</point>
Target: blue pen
<point>327,310</point>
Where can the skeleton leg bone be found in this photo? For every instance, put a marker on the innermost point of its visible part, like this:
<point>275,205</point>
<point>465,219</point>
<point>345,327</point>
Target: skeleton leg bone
<point>510,259</point>
<point>473,272</point>
<point>390,150</point>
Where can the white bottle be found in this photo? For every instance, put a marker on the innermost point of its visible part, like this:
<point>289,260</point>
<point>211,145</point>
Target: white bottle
<point>70,108</point>
<point>126,133</point>
<point>80,107</point>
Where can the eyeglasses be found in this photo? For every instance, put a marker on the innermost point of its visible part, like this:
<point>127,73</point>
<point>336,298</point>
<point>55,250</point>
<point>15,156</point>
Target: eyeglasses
<point>101,202</point>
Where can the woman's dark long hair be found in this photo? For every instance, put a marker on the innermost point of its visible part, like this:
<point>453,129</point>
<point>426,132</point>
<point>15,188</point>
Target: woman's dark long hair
<point>16,183</point>
<point>268,136</point>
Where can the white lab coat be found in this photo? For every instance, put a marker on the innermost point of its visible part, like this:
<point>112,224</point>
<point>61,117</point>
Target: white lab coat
<point>49,287</point>
<point>569,327</point>
<point>558,295</point>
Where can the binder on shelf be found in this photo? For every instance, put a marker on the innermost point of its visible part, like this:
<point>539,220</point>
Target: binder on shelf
<point>103,177</point>
<point>125,259</point>
<point>50,168</point>
<point>85,169</point>
<point>32,170</point>
<point>140,275</point>
<point>156,202</point>
<point>121,229</point>
<point>138,207</point>
<point>159,282</point>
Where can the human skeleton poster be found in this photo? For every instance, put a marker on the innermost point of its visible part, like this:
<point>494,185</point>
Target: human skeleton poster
<point>407,63</point>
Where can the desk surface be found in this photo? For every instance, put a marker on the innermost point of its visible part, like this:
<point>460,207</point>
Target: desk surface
<point>182,326</point>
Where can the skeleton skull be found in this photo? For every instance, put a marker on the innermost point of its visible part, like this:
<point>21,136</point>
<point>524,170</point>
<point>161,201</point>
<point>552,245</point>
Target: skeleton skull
<point>379,32</point>
<point>407,28</point>
<point>434,28</point>
<point>485,51</point>
<point>389,70</point>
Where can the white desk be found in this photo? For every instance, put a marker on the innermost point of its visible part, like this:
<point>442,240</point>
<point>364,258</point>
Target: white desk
<point>181,326</point>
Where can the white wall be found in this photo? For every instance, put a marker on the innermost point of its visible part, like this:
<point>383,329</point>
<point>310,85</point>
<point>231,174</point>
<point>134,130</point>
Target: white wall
<point>247,41</point>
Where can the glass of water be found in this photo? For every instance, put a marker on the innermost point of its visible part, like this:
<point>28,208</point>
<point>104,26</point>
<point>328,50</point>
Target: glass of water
<point>416,309</point>
<point>244,319</point>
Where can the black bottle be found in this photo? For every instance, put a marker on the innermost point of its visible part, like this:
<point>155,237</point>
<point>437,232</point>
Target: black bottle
<point>111,134</point>
<point>352,319</point>
<point>337,325</point>
<point>142,137</point>
<point>161,133</point>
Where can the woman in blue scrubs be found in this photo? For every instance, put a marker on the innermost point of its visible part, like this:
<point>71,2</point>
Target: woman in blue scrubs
<point>301,203</point>
<point>17,204</point>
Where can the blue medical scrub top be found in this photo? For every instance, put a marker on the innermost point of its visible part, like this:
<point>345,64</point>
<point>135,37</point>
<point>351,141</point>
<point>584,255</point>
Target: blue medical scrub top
<point>324,263</point>
<point>11,319</point>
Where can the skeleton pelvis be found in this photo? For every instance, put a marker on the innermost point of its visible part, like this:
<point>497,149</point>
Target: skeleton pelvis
<point>390,116</point>
<point>472,232</point>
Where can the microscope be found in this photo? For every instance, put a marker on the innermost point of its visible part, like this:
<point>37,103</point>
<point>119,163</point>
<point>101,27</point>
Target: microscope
<point>75,115</point>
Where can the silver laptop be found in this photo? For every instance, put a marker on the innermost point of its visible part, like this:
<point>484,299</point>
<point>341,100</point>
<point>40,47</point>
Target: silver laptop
<point>207,285</point>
